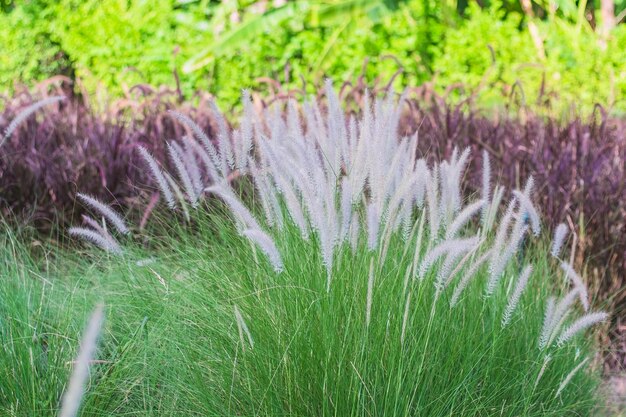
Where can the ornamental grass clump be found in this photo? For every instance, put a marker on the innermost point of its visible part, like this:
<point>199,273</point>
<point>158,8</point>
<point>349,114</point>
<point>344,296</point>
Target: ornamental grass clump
<point>354,278</point>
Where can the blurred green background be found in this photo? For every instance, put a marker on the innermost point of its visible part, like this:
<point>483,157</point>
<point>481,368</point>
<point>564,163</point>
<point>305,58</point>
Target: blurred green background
<point>557,54</point>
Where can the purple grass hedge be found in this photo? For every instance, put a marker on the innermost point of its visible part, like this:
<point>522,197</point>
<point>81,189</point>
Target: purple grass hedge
<point>67,147</point>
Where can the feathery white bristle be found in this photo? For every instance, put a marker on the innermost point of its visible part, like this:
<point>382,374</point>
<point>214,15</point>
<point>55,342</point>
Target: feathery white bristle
<point>467,277</point>
<point>529,209</point>
<point>157,174</point>
<point>200,135</point>
<point>503,257</point>
<point>569,377</point>
<point>106,211</point>
<point>236,206</point>
<point>373,225</point>
<point>453,245</point>
<point>243,328</point>
<point>93,236</point>
<point>561,310</point>
<point>581,324</point>
<point>267,246</point>
<point>76,387</point>
<point>26,113</point>
<point>559,237</point>
<point>177,157</point>
<point>578,284</point>
<point>547,319</point>
<point>486,187</point>
<point>463,217</point>
<point>516,295</point>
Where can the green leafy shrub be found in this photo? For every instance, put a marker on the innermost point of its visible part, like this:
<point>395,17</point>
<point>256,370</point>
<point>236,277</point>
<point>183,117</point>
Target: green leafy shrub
<point>576,70</point>
<point>222,47</point>
<point>28,52</point>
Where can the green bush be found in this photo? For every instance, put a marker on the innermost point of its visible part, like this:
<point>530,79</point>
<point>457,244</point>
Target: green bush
<point>577,69</point>
<point>28,53</point>
<point>223,47</point>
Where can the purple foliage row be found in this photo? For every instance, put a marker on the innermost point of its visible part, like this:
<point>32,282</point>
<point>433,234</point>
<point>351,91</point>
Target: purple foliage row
<point>67,147</point>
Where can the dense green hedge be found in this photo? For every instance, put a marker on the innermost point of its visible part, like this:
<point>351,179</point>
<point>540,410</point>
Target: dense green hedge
<point>223,47</point>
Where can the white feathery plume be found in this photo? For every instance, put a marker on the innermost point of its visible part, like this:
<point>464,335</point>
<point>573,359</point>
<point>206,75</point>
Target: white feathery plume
<point>561,310</point>
<point>459,167</point>
<point>101,229</point>
<point>97,239</point>
<point>402,193</point>
<point>405,317</point>
<point>432,200</point>
<point>243,328</point>
<point>267,196</point>
<point>346,207</point>
<point>354,232</point>
<point>581,324</point>
<point>443,248</point>
<point>569,377</point>
<point>293,205</point>
<point>498,194</point>
<point>445,175</point>
<point>468,256</point>
<point>546,361</point>
<point>106,211</point>
<point>200,135</point>
<point>578,284</point>
<point>26,113</point>
<point>192,165</point>
<point>503,229</point>
<point>559,237</point>
<point>486,187</point>
<point>463,217</point>
<point>467,277</point>
<point>73,395</point>
<point>209,165</point>
<point>223,192</point>
<point>246,133</point>
<point>146,262</point>
<point>157,174</point>
<point>373,225</point>
<point>444,274</point>
<point>516,295</point>
<point>496,269</point>
<point>177,158</point>
<point>267,246</point>
<point>330,195</point>
<point>547,319</point>
<point>421,175</point>
<point>177,193</point>
<point>223,138</point>
<point>529,208</point>
<point>394,167</point>
<point>405,218</point>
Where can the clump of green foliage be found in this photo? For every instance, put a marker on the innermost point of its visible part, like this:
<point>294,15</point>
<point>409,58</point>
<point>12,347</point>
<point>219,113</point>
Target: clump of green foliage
<point>222,46</point>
